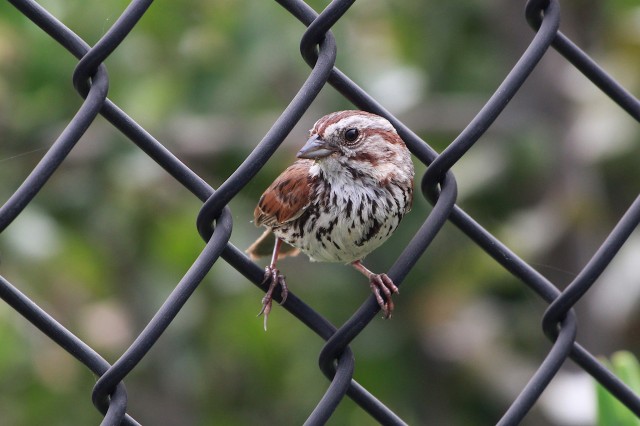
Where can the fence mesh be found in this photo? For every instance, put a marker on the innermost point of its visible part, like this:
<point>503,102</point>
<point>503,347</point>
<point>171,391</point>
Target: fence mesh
<point>214,221</point>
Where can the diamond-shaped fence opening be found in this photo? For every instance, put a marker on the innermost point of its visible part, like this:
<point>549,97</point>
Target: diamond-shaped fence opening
<point>68,174</point>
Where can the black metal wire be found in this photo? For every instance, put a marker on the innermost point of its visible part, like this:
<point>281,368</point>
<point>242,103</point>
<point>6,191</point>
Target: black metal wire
<point>214,223</point>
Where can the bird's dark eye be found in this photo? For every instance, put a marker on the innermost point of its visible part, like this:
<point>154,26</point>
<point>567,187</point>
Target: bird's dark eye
<point>351,134</point>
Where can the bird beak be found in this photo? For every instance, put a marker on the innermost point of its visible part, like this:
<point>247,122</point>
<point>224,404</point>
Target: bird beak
<point>316,148</point>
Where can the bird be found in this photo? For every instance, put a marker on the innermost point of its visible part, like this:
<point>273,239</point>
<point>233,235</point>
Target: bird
<point>342,198</point>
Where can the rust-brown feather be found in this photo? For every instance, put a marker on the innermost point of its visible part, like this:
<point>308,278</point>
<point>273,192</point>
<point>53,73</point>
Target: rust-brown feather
<point>286,198</point>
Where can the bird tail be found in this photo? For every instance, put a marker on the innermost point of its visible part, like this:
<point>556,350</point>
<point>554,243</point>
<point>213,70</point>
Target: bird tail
<point>263,247</point>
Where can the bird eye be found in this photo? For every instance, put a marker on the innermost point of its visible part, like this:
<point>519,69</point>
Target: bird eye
<point>351,134</point>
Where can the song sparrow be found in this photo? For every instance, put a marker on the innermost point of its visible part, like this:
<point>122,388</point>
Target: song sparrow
<point>342,199</point>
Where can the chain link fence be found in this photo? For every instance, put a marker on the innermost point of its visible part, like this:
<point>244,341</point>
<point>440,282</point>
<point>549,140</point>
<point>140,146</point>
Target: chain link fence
<point>214,221</point>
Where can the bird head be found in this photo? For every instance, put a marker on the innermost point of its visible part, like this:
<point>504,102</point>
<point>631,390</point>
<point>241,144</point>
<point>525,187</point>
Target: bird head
<point>357,139</point>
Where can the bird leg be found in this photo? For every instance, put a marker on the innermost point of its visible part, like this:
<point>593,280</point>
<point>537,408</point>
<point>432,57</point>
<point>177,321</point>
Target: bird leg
<point>382,287</point>
<point>272,274</point>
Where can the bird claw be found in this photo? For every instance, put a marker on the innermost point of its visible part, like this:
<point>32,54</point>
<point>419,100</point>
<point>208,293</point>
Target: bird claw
<point>381,285</point>
<point>277,279</point>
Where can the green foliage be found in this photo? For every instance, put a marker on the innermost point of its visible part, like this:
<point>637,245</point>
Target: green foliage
<point>111,234</point>
<point>625,365</point>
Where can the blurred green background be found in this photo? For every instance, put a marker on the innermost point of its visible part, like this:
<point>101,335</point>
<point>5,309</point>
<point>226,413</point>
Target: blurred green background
<point>110,235</point>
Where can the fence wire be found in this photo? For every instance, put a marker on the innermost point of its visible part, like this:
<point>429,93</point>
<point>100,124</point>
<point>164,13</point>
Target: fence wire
<point>214,222</point>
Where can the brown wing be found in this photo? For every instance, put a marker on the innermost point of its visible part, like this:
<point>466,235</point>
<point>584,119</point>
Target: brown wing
<point>286,198</point>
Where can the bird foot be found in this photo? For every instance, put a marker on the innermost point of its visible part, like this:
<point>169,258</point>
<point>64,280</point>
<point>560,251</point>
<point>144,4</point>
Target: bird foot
<point>277,279</point>
<point>383,288</point>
